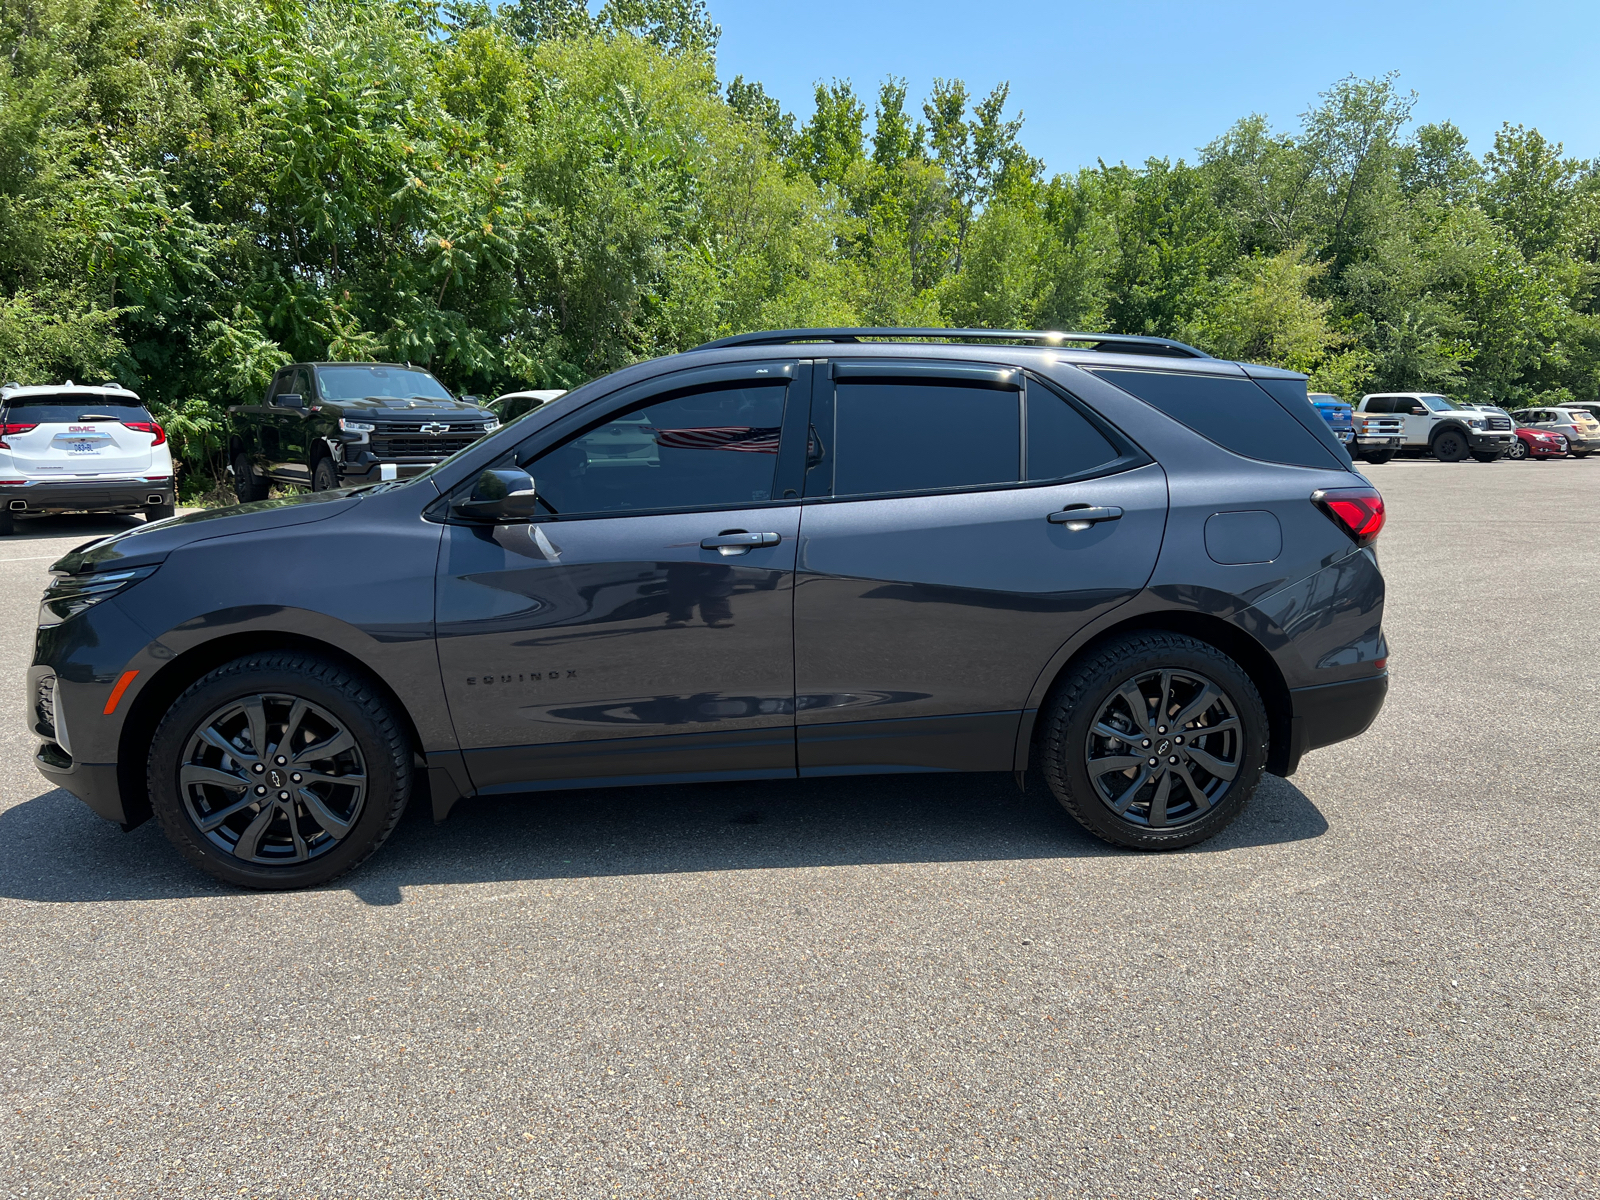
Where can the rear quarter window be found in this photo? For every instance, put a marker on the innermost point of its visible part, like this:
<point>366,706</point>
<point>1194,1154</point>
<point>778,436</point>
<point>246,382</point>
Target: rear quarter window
<point>1234,413</point>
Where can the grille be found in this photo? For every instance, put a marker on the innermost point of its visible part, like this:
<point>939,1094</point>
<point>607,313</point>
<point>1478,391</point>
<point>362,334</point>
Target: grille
<point>416,426</point>
<point>1498,423</point>
<point>420,447</point>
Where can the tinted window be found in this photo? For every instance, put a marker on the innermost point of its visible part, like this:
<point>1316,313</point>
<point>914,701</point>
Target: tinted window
<point>1061,441</point>
<point>919,437</point>
<point>1234,413</point>
<point>1378,406</point>
<point>690,451</point>
<point>379,383</point>
<point>66,406</point>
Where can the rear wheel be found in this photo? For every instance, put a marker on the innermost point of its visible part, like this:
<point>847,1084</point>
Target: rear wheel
<point>1584,454</point>
<point>1519,450</point>
<point>8,523</point>
<point>245,484</point>
<point>1449,446</point>
<point>159,512</point>
<point>279,770</point>
<point>324,476</point>
<point>1485,457</point>
<point>1155,742</point>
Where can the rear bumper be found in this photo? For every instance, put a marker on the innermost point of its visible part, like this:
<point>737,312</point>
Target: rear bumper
<point>93,783</point>
<point>1583,445</point>
<point>1334,712</point>
<point>83,495</point>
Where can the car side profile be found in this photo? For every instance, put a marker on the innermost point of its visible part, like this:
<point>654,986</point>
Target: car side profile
<point>81,448</point>
<point>1447,430</point>
<point>1577,426</point>
<point>1142,572</point>
<point>1537,444</point>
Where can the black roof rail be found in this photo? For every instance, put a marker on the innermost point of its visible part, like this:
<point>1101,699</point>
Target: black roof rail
<point>1123,343</point>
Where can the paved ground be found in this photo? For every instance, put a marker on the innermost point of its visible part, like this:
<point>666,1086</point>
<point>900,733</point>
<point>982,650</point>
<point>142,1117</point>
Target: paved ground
<point>1381,981</point>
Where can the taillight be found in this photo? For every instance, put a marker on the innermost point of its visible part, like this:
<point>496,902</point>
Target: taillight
<point>7,430</point>
<point>149,427</point>
<point>1357,511</point>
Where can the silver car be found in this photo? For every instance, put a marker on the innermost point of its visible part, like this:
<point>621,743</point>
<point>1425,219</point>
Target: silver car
<point>1577,425</point>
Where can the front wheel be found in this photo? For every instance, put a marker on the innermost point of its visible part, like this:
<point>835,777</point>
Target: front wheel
<point>1156,741</point>
<point>324,476</point>
<point>1378,457</point>
<point>1449,446</point>
<point>279,770</point>
<point>245,484</point>
<point>1484,456</point>
<point>1519,450</point>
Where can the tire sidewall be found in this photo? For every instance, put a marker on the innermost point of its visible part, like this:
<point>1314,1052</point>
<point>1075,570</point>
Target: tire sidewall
<point>1074,709</point>
<point>324,464</point>
<point>1448,437</point>
<point>384,752</point>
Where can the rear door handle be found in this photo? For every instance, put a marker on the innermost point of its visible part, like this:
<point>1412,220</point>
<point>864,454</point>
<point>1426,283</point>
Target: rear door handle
<point>1081,516</point>
<point>737,541</point>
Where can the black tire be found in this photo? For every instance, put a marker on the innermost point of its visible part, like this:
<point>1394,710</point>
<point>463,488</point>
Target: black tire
<point>1484,456</point>
<point>1450,446</point>
<point>8,523</point>
<point>1518,451</point>
<point>245,484</point>
<point>1378,458</point>
<point>1143,662</point>
<point>290,839</point>
<point>324,476</point>
<point>159,512</point>
<point>1584,454</point>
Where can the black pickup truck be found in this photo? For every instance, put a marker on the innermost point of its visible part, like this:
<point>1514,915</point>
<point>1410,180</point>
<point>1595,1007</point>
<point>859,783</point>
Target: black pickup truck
<point>331,425</point>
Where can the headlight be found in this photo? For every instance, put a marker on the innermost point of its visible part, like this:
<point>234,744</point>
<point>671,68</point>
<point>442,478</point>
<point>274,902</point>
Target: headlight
<point>69,595</point>
<point>491,425</point>
<point>1472,424</point>
<point>355,426</point>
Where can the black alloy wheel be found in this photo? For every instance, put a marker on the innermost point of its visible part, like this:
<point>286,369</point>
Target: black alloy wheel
<point>1519,450</point>
<point>1164,748</point>
<point>1155,741</point>
<point>272,779</point>
<point>324,476</point>
<point>279,770</point>
<point>1450,446</point>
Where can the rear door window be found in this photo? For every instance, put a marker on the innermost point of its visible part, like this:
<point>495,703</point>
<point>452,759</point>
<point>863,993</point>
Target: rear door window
<point>1061,441</point>
<point>1232,412</point>
<point>923,436</point>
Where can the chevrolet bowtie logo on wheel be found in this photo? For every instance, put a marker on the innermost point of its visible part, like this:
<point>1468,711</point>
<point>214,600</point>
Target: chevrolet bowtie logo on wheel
<point>435,427</point>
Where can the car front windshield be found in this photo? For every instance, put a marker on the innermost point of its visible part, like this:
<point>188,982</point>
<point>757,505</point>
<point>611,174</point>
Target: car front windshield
<point>379,383</point>
<point>1441,403</point>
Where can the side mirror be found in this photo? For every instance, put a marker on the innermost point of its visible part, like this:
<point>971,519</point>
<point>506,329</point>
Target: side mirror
<point>472,399</point>
<point>502,496</point>
<point>288,400</point>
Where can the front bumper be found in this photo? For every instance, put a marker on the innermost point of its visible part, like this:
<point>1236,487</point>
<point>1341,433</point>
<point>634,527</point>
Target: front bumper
<point>352,474</point>
<point>1484,443</point>
<point>1334,712</point>
<point>93,783</point>
<point>84,495</point>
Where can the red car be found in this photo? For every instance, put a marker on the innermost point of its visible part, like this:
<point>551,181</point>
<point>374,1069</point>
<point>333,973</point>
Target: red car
<point>1538,443</point>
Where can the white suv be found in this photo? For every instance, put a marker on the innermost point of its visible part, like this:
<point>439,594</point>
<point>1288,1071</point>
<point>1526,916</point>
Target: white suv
<point>71,448</point>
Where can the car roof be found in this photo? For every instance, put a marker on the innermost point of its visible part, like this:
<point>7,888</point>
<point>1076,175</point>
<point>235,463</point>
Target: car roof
<point>12,392</point>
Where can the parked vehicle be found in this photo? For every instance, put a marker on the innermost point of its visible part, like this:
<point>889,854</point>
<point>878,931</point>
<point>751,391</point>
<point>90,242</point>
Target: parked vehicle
<point>1377,437</point>
<point>79,448</point>
<point>1447,430</point>
<point>1141,571</point>
<point>513,404</point>
<point>1577,425</point>
<point>1538,444</point>
<point>332,425</point>
<point>1336,413</point>
<point>1592,407</point>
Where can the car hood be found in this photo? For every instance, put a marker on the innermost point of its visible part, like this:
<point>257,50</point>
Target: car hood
<point>407,410</point>
<point>152,543</point>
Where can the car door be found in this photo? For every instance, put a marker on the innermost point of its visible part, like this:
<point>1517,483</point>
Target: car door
<point>1419,421</point>
<point>940,568</point>
<point>289,453</point>
<point>642,628</point>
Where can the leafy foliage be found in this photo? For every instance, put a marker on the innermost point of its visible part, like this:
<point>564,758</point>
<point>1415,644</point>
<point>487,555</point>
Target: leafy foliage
<point>193,192</point>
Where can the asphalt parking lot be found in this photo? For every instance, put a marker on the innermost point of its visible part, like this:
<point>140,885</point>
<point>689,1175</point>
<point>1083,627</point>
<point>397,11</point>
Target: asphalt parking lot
<point>1380,981</point>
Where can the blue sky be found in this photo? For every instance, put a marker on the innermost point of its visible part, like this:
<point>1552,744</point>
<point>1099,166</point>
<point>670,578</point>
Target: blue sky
<point>1125,81</point>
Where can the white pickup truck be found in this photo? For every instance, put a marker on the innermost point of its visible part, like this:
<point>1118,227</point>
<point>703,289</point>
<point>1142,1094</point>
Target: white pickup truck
<point>1447,430</point>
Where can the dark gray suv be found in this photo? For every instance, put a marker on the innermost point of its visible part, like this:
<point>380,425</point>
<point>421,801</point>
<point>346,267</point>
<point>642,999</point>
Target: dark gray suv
<point>1142,572</point>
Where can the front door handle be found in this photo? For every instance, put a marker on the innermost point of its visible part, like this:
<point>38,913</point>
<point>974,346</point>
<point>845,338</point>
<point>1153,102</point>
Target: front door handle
<point>1080,516</point>
<point>737,541</point>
